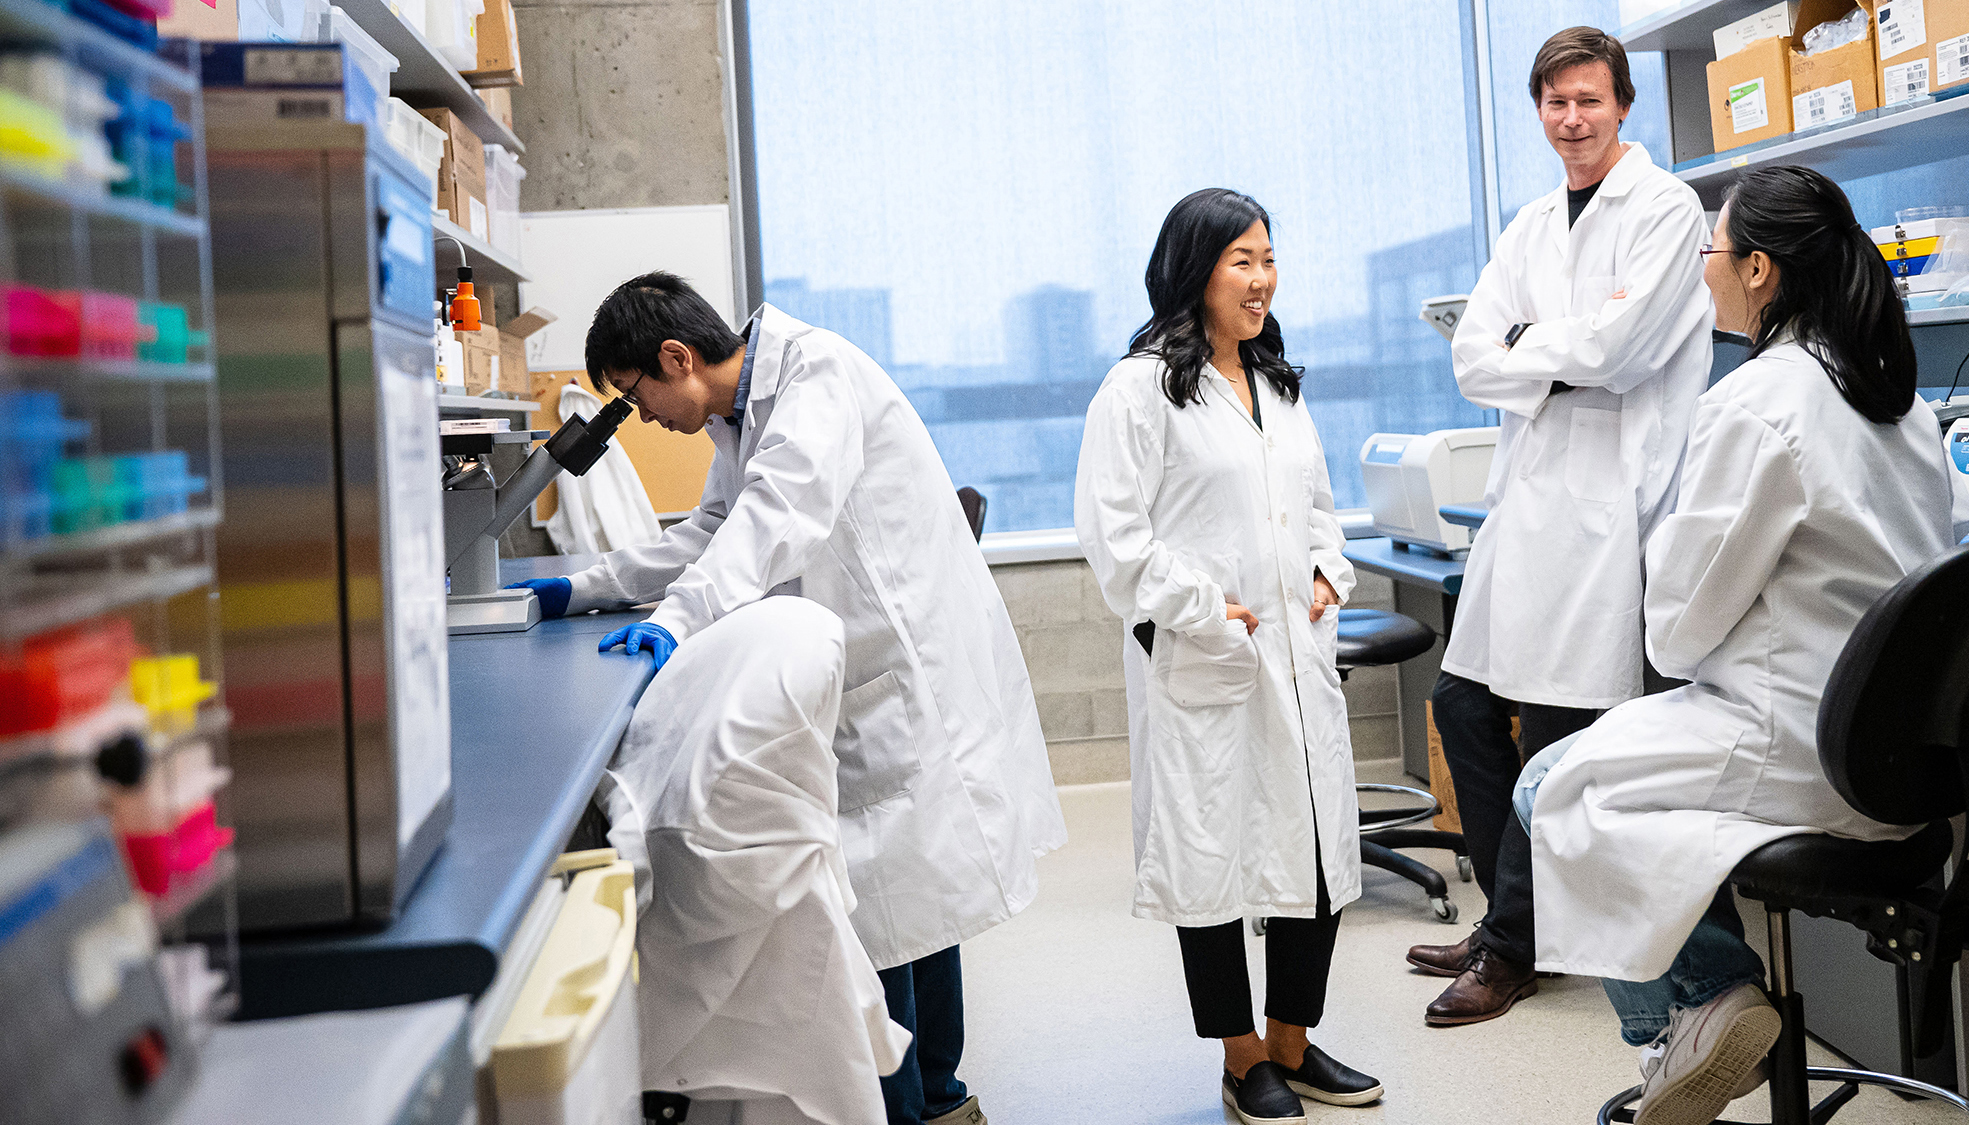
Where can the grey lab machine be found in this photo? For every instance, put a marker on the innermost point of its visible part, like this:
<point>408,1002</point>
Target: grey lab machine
<point>331,558</point>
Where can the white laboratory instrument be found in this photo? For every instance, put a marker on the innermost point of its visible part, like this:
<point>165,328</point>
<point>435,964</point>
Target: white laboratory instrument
<point>1956,443</point>
<point>1409,477</point>
<point>1445,313</point>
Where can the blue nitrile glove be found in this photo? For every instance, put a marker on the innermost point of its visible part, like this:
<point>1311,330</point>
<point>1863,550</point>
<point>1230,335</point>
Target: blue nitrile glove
<point>642,635</point>
<point>552,592</point>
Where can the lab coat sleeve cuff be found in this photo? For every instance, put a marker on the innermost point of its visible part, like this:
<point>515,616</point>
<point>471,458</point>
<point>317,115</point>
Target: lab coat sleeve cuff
<point>594,588</point>
<point>671,618</point>
<point>1338,572</point>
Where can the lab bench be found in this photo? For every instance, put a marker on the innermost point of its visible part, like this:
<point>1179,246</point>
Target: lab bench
<point>1426,588</point>
<point>535,717</point>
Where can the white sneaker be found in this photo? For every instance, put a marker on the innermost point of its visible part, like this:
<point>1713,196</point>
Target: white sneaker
<point>1708,1057</point>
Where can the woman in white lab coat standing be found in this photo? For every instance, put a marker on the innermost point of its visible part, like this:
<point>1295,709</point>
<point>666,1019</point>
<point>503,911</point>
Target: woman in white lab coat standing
<point>1203,505</point>
<point>1814,481</point>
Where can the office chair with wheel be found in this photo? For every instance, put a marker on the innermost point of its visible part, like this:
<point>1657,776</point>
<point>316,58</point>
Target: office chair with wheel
<point>1892,742</point>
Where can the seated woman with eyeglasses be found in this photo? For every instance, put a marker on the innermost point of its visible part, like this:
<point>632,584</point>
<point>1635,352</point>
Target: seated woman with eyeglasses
<point>1814,480</point>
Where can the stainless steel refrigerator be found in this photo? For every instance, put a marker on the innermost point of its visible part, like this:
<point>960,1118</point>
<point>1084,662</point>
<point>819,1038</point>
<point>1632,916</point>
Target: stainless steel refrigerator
<point>331,558</point>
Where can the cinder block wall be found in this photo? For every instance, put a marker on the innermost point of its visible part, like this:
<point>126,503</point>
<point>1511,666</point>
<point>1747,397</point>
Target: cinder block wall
<point>1073,648</point>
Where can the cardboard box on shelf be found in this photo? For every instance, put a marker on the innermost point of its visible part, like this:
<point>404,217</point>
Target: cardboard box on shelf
<point>498,102</point>
<point>1923,47</point>
<point>1780,19</point>
<point>1836,84</point>
<point>461,177</point>
<point>1750,94</point>
<point>193,19</point>
<point>481,360</point>
<point>514,375</point>
<point>499,47</point>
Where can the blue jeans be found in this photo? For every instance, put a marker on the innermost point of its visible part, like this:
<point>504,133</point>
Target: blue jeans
<point>1714,959</point>
<point>926,997</point>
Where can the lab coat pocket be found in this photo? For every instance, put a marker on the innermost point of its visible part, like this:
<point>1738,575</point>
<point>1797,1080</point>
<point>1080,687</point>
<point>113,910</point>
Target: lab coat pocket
<point>875,742</point>
<point>1593,463</point>
<point>1214,667</point>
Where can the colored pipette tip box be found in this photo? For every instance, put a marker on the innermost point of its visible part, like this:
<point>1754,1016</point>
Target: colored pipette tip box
<point>155,484</point>
<point>56,677</point>
<point>169,688</point>
<point>87,495</point>
<point>160,859</point>
<point>171,335</point>
<point>33,434</point>
<point>42,322</point>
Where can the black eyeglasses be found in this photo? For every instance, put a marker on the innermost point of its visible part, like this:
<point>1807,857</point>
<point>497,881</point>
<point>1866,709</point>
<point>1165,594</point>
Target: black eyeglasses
<point>629,396</point>
<point>1708,248</point>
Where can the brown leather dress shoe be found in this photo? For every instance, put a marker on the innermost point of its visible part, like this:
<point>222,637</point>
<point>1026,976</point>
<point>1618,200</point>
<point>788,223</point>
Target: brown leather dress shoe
<point>1443,960</point>
<point>1485,991</point>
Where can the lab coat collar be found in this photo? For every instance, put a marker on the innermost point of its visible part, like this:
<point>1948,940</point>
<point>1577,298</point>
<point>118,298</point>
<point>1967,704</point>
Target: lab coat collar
<point>1223,387</point>
<point>774,329</point>
<point>1626,173</point>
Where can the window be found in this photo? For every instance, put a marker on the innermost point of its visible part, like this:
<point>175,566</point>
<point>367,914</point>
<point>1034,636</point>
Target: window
<point>969,191</point>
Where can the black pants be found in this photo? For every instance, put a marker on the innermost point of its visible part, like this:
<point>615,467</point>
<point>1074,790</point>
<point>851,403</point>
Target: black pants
<point>1484,764</point>
<point>1298,956</point>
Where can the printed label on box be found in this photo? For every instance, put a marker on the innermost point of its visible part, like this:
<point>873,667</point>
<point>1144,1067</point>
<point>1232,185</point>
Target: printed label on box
<point>1951,61</point>
<point>1905,82</point>
<point>272,66</point>
<point>1747,106</point>
<point>1903,27</point>
<point>1823,106</point>
<point>478,217</point>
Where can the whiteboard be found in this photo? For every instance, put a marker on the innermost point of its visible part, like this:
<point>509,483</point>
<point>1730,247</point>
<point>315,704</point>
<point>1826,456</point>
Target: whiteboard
<point>577,258</point>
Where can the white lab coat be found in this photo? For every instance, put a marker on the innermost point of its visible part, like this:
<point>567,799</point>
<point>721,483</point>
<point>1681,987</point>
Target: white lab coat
<point>607,508</point>
<point>1240,760</point>
<point>946,794</point>
<point>1795,515</point>
<point>753,987</point>
<point>1550,611</point>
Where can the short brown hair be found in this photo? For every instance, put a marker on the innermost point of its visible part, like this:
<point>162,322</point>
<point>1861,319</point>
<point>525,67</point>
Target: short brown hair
<point>1577,46</point>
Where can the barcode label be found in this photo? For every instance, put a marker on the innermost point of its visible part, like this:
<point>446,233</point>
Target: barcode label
<point>1951,61</point>
<point>293,66</point>
<point>1903,27</point>
<point>1823,106</point>
<point>1906,82</point>
<point>308,109</point>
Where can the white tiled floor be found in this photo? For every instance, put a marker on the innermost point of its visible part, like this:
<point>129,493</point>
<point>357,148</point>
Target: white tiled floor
<point>1076,1012</point>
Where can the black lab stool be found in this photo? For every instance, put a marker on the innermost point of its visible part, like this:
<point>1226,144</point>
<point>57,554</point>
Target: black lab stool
<point>1892,741</point>
<point>1372,638</point>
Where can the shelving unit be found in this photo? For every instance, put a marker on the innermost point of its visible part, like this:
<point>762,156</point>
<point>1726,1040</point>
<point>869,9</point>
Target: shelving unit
<point>489,265</point>
<point>423,78</point>
<point>1687,26</point>
<point>1882,140</point>
<point>157,573</point>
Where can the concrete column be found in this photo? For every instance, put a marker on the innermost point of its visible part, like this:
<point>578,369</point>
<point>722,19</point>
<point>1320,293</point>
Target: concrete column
<point>623,106</point>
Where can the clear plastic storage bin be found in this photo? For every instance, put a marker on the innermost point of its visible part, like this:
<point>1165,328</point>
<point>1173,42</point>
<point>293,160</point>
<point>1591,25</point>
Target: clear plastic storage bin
<point>503,174</point>
<point>414,135</point>
<point>367,55</point>
<point>452,26</point>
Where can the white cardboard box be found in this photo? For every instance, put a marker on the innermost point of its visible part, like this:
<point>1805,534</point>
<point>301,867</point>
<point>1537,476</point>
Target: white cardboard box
<point>1774,20</point>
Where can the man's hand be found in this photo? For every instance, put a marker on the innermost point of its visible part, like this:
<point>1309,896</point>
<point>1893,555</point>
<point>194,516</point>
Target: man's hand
<point>552,592</point>
<point>1324,597</point>
<point>1236,612</point>
<point>642,635</point>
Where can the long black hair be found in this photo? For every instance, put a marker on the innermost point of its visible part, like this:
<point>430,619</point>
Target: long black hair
<point>1834,292</point>
<point>1193,238</point>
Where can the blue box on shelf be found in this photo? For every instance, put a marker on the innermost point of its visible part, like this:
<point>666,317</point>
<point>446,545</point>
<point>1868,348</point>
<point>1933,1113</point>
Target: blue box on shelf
<point>285,81</point>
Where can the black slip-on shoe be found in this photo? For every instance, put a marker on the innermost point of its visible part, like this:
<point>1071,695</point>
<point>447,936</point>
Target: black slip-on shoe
<point>1262,1096</point>
<point>1324,1078</point>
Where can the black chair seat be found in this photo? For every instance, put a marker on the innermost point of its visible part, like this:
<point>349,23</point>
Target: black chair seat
<point>1799,870</point>
<point>1372,637</point>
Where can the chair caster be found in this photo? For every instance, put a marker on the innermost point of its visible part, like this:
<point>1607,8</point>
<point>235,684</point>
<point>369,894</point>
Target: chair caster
<point>1444,908</point>
<point>1463,869</point>
<point>1257,927</point>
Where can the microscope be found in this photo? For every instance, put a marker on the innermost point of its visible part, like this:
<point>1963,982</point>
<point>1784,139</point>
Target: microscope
<point>477,509</point>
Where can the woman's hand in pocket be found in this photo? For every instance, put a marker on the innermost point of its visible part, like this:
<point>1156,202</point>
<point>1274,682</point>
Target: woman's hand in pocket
<point>1236,612</point>
<point>1324,597</point>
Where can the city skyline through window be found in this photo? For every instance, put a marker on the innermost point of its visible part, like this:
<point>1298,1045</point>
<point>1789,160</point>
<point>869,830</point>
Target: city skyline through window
<point>969,192</point>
